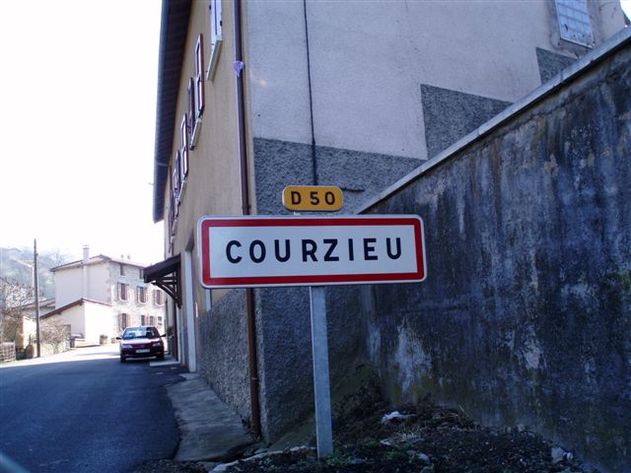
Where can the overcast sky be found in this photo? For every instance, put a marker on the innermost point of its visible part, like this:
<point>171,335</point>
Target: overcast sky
<point>77,123</point>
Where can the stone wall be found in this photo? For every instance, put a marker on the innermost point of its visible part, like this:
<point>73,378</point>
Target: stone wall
<point>223,350</point>
<point>525,317</point>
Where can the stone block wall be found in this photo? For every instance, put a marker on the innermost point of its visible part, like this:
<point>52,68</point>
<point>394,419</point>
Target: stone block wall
<point>525,317</point>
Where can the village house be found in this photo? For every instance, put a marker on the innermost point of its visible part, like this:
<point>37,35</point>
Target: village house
<point>99,296</point>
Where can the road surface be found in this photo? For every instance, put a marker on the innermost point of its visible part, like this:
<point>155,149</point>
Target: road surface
<point>84,411</point>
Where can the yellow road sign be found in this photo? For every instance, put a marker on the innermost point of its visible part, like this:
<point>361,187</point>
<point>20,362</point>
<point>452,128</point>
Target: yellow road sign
<point>313,198</point>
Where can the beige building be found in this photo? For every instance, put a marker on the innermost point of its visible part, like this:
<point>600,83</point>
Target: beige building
<point>100,296</point>
<point>254,96</point>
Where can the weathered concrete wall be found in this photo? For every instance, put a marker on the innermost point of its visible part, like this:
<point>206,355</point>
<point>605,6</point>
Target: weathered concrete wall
<point>525,317</point>
<point>223,350</point>
<point>367,59</point>
<point>285,351</point>
<point>359,175</point>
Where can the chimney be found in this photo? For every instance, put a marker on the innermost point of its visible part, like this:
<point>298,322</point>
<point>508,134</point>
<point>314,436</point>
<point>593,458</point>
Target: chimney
<point>84,268</point>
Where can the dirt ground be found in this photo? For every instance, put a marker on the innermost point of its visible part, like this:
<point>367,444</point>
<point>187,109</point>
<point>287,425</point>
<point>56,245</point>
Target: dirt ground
<point>421,438</point>
<point>431,441</point>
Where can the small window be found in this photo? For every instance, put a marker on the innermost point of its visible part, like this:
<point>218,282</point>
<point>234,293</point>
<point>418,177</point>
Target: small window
<point>122,269</point>
<point>158,297</point>
<point>173,203</point>
<point>123,291</point>
<point>143,320</point>
<point>183,150</point>
<point>190,113</point>
<point>216,37</point>
<point>160,323</point>
<point>141,294</point>
<point>199,78</point>
<point>176,179</point>
<point>123,322</point>
<point>152,320</point>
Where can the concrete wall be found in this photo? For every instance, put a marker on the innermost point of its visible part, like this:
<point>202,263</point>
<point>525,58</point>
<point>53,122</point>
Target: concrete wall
<point>383,100</point>
<point>99,283</point>
<point>73,317</point>
<point>212,187</point>
<point>90,319</point>
<point>68,286</point>
<point>99,320</point>
<point>525,314</point>
<point>223,349</point>
<point>284,334</point>
<point>368,60</point>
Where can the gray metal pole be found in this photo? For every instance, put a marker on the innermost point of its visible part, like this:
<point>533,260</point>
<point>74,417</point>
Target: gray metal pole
<point>321,386</point>
<point>36,284</point>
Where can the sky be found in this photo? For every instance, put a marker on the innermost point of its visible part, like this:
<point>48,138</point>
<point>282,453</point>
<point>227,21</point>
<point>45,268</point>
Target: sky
<point>77,126</point>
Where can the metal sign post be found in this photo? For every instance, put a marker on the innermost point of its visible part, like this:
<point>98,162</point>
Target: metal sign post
<point>258,251</point>
<point>321,386</point>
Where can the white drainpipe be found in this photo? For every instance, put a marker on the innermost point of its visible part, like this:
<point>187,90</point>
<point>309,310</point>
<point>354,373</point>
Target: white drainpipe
<point>188,306</point>
<point>84,267</point>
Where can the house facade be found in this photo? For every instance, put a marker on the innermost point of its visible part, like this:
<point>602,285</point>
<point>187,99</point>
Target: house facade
<point>255,96</point>
<point>101,295</point>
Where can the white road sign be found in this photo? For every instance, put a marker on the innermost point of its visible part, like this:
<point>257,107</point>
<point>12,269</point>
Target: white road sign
<point>305,251</point>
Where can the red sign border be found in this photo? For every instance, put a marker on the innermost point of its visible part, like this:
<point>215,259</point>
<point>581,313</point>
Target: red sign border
<point>209,282</point>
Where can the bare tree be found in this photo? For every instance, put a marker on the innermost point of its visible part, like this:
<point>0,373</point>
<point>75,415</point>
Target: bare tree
<point>56,257</point>
<point>13,298</point>
<point>55,334</point>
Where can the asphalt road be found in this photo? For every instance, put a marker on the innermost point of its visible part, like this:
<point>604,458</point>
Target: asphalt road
<point>84,411</point>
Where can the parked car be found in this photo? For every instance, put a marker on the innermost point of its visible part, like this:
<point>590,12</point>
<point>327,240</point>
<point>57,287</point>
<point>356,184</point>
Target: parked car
<point>142,341</point>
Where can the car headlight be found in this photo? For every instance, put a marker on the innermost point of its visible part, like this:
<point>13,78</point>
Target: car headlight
<point>156,344</point>
<point>125,345</point>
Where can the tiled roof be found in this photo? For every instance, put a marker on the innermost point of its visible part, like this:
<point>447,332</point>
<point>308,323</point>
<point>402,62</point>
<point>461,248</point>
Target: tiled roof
<point>99,259</point>
<point>71,305</point>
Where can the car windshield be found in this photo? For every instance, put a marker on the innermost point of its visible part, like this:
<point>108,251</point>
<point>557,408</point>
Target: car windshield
<point>140,333</point>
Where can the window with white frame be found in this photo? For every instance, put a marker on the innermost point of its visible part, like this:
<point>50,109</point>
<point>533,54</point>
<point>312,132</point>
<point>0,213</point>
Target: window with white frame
<point>152,320</point>
<point>158,297</point>
<point>183,151</point>
<point>123,292</point>
<point>199,77</point>
<point>173,200</point>
<point>175,182</point>
<point>141,295</point>
<point>143,319</point>
<point>123,321</point>
<point>190,112</point>
<point>216,36</point>
<point>196,98</point>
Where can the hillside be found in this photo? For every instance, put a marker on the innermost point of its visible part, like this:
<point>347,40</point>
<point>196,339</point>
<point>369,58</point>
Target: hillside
<point>17,264</point>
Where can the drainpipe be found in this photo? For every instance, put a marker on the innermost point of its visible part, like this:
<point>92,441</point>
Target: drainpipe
<point>84,269</point>
<point>245,209</point>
